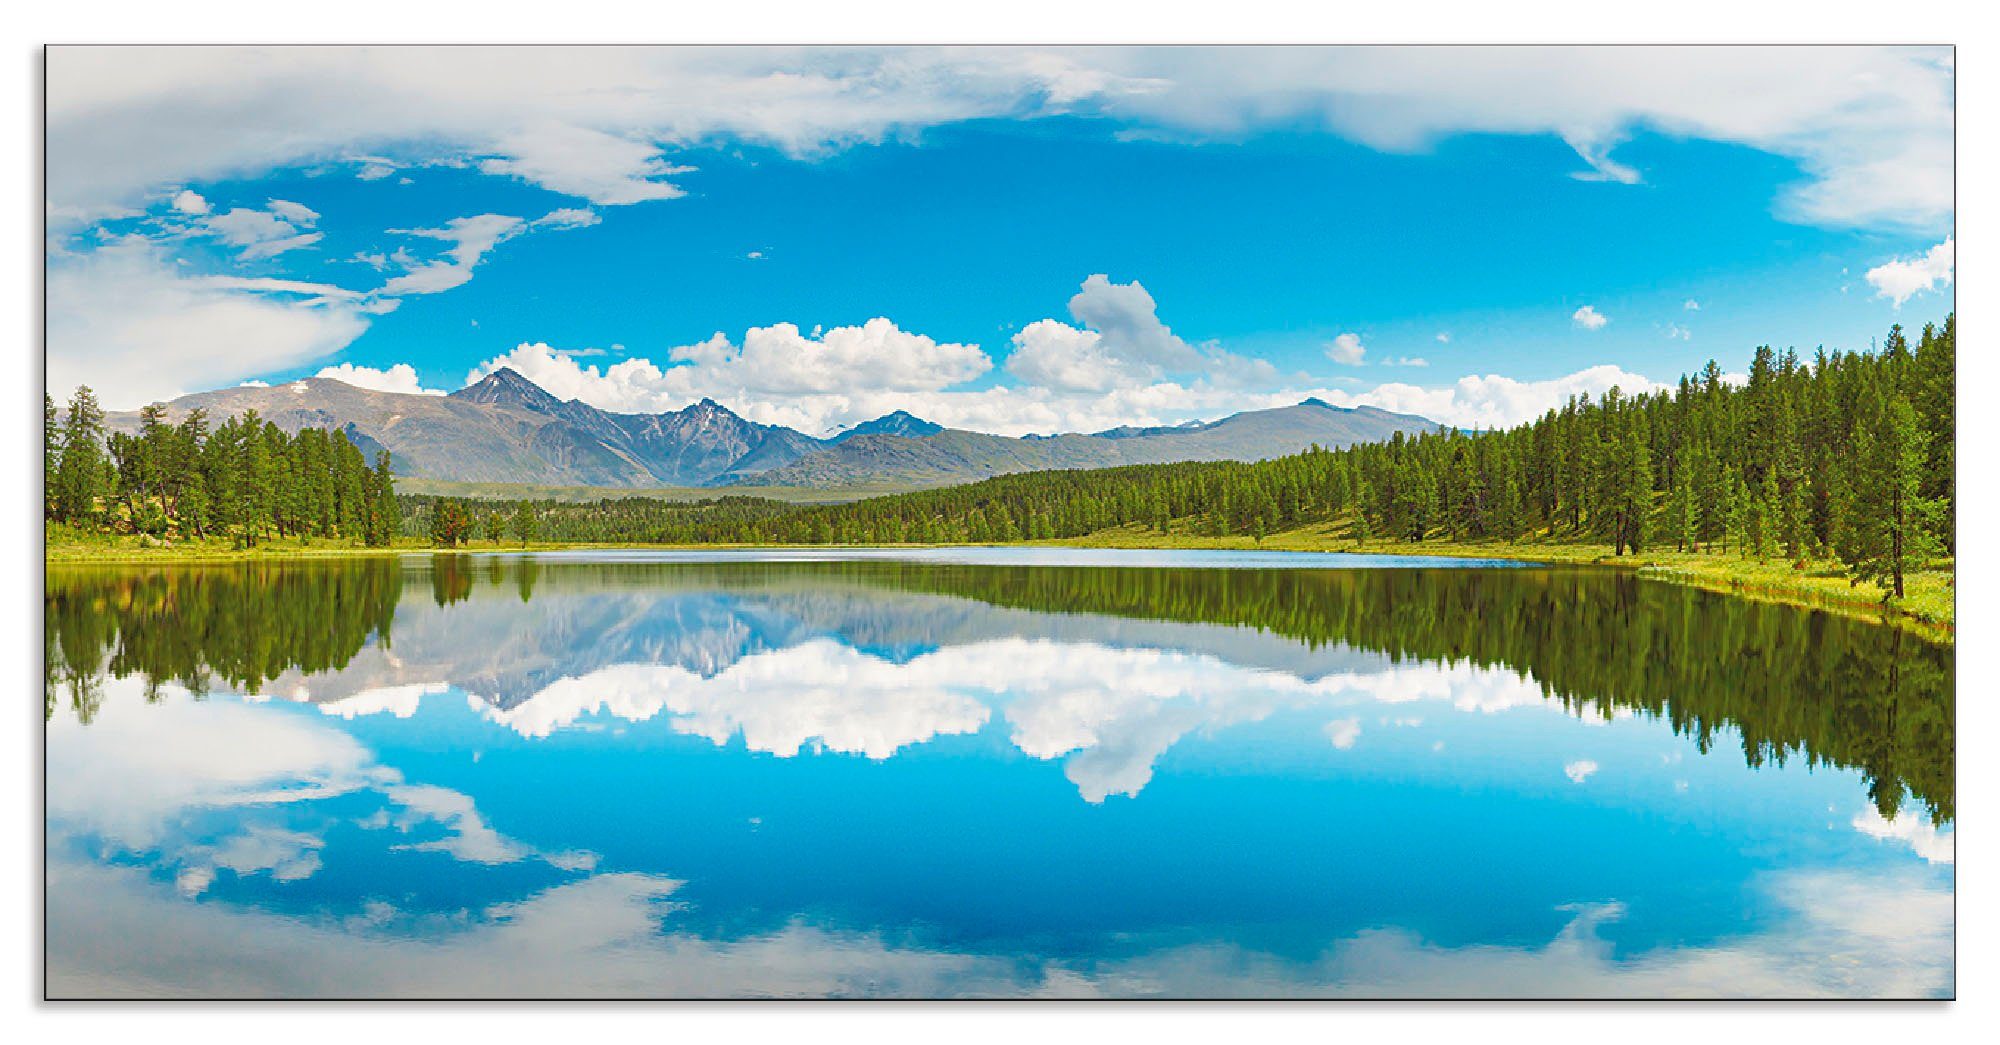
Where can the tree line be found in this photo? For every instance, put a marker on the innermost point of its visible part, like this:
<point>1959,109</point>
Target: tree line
<point>245,479</point>
<point>1780,684</point>
<point>1848,456</point>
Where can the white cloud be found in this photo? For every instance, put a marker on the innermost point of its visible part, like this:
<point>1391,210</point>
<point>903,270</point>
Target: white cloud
<point>1346,349</point>
<point>567,218</point>
<point>606,169</point>
<point>401,377</point>
<point>470,238</point>
<point>123,320</point>
<point>1579,770</point>
<point>1444,337</point>
<point>1343,732</point>
<point>1492,401</point>
<point>1691,305</point>
<point>1903,278</point>
<point>1912,829</point>
<point>188,201</point>
<point>1128,319</point>
<point>263,233</point>
<point>614,935</point>
<point>810,379</point>
<point>296,213</point>
<point>1589,318</point>
<point>1871,127</point>
<point>1078,400</point>
<point>1676,332</point>
<point>1121,343</point>
<point>1414,361</point>
<point>818,693</point>
<point>273,248</point>
<point>1052,354</point>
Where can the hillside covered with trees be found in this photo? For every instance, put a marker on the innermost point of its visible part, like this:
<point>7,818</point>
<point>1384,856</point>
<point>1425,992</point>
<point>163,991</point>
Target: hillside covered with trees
<point>1845,457</point>
<point>246,480</point>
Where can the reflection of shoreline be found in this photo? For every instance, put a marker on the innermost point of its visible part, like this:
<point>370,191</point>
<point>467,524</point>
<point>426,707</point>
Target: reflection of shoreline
<point>1788,684</point>
<point>148,782</point>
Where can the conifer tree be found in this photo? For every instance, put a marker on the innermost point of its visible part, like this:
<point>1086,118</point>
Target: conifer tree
<point>80,472</point>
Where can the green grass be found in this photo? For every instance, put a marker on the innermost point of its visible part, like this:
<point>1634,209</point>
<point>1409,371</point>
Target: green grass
<point>572,494</point>
<point>1928,606</point>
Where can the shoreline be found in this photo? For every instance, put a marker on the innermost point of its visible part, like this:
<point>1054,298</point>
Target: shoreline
<point>1928,611</point>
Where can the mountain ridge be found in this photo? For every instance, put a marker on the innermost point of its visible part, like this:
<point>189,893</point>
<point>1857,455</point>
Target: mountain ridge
<point>506,428</point>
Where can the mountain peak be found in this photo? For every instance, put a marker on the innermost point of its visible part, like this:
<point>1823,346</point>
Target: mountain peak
<point>896,422</point>
<point>1318,402</point>
<point>707,408</point>
<point>506,386</point>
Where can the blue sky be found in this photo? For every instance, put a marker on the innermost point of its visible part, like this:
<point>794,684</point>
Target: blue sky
<point>1064,240</point>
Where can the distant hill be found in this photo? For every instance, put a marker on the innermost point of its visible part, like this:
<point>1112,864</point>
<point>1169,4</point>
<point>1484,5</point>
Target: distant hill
<point>902,422</point>
<point>953,456</point>
<point>507,429</point>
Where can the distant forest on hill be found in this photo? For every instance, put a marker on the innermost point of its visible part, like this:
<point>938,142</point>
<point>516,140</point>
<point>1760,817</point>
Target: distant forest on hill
<point>1847,456</point>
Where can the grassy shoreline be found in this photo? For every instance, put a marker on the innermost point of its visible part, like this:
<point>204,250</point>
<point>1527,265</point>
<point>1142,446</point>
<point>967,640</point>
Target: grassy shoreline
<point>1928,609</point>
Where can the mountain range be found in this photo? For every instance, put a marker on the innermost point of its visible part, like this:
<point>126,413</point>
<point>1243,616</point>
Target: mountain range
<point>505,428</point>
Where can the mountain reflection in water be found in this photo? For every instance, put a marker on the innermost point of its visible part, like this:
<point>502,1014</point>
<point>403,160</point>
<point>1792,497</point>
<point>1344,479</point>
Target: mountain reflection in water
<point>1349,781</point>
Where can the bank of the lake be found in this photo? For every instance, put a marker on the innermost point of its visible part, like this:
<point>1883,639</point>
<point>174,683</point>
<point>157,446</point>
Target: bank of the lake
<point>1928,607</point>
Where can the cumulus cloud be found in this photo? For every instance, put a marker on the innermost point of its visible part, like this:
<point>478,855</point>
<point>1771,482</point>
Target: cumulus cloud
<point>1691,305</point>
<point>819,693</point>
<point>1052,354</point>
<point>775,367</point>
<point>1904,278</point>
<point>1343,732</point>
<point>1347,350</point>
<point>188,201</point>
<point>1493,401</point>
<point>800,388</point>
<point>1121,342</point>
<point>1579,770</point>
<point>143,772</point>
<point>124,320</point>
<point>401,377</point>
<point>1912,829</point>
<point>1589,318</point>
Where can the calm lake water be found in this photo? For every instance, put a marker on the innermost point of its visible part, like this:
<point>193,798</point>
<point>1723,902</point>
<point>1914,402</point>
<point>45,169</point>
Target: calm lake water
<point>983,773</point>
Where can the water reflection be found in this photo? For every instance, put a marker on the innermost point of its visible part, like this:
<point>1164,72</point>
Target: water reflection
<point>1783,683</point>
<point>474,776</point>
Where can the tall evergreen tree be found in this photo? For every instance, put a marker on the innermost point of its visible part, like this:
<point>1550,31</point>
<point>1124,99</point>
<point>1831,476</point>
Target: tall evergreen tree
<point>80,473</point>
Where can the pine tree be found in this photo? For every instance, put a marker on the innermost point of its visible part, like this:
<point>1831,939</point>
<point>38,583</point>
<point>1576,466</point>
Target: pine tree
<point>1633,507</point>
<point>1681,514</point>
<point>51,454</point>
<point>1891,528</point>
<point>80,472</point>
<point>451,523</point>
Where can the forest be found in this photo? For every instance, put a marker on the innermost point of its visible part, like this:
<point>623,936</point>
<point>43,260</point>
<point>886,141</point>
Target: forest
<point>245,480</point>
<point>1847,457</point>
<point>1779,684</point>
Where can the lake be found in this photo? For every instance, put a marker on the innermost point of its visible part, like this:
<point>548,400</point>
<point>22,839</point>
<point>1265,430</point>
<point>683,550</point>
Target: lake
<point>983,773</point>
